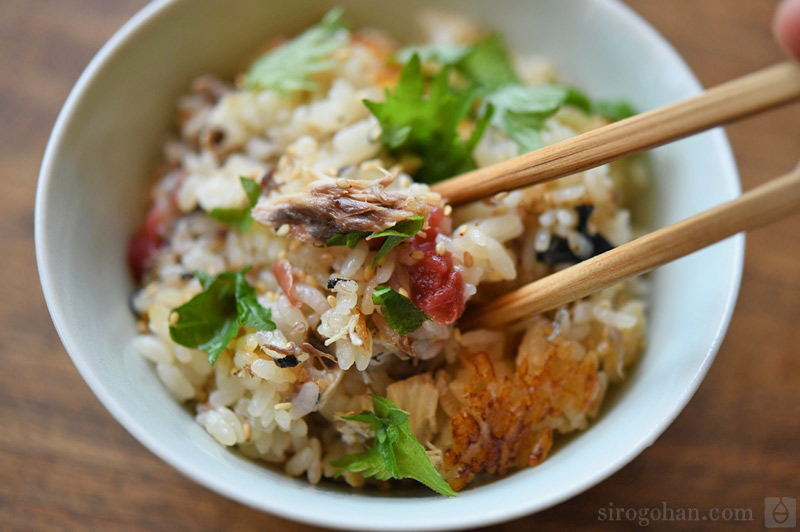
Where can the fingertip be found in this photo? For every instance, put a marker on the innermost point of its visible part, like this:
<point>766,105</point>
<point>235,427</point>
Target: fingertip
<point>786,26</point>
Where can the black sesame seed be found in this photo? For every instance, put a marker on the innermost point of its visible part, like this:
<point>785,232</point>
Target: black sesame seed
<point>289,361</point>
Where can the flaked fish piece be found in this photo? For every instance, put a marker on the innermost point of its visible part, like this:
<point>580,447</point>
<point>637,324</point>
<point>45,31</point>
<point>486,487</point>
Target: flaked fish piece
<point>338,206</point>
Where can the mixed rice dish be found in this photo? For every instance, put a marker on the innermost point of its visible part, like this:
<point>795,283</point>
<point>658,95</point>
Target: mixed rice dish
<point>301,283</point>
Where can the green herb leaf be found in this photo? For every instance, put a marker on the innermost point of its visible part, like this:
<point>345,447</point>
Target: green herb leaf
<point>614,110</point>
<point>248,309</point>
<point>427,126</point>
<point>211,319</point>
<point>521,111</point>
<point>395,451</point>
<point>446,54</point>
<point>240,219</point>
<point>488,64</point>
<point>398,311</point>
<point>576,98</point>
<point>347,239</point>
<point>396,234</point>
<point>289,67</point>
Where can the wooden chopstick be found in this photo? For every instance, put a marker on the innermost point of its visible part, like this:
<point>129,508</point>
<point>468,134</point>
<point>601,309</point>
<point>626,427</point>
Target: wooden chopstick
<point>764,204</point>
<point>730,101</point>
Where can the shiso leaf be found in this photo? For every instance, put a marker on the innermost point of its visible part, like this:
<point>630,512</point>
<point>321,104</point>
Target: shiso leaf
<point>289,67</point>
<point>399,312</point>
<point>427,125</point>
<point>395,451</point>
<point>240,219</point>
<point>211,319</point>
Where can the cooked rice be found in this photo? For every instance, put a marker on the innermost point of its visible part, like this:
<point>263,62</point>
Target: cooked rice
<point>457,385</point>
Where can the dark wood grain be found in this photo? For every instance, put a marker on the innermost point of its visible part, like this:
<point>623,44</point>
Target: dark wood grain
<point>66,464</point>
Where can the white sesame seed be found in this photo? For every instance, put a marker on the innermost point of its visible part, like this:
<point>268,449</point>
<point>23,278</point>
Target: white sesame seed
<point>283,230</point>
<point>468,260</point>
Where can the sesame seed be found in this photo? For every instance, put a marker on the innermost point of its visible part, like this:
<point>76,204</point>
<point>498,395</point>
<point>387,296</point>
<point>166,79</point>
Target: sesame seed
<point>462,230</point>
<point>283,406</point>
<point>369,273</point>
<point>417,254</point>
<point>342,183</point>
<point>468,260</point>
<point>283,230</point>
<point>448,210</point>
<point>247,430</point>
<point>403,292</point>
<point>332,301</point>
<point>173,318</point>
<point>440,249</point>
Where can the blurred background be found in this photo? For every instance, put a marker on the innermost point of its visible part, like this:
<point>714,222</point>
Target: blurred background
<point>65,463</point>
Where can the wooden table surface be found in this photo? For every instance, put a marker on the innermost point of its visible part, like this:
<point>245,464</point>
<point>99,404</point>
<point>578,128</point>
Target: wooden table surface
<point>65,463</point>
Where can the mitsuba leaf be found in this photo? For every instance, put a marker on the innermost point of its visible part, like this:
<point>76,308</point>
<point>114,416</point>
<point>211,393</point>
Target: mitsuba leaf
<point>290,66</point>
<point>395,451</point>
<point>399,312</point>
<point>211,319</point>
<point>347,239</point>
<point>427,125</point>
<point>521,111</point>
<point>614,110</point>
<point>240,219</point>
<point>446,54</point>
<point>488,64</point>
<point>396,234</point>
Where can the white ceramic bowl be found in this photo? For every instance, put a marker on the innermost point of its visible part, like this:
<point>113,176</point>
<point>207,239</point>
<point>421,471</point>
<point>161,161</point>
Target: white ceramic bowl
<point>94,184</point>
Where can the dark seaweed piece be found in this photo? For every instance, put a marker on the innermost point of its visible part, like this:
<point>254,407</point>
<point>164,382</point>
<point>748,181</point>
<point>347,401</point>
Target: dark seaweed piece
<point>332,282</point>
<point>289,361</point>
<point>584,212</point>
<point>559,251</point>
<point>600,244</point>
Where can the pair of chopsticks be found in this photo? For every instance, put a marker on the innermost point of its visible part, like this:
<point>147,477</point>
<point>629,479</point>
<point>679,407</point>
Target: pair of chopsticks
<point>776,199</point>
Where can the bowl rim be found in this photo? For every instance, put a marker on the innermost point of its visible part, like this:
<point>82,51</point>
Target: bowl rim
<point>149,14</point>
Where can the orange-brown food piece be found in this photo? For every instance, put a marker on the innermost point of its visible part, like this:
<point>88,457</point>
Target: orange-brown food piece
<point>508,422</point>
